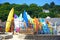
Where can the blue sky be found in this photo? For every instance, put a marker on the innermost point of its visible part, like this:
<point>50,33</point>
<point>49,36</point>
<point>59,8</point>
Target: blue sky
<point>38,2</point>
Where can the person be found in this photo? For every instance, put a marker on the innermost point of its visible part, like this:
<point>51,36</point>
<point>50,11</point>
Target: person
<point>40,26</point>
<point>25,25</point>
<point>40,29</point>
<point>36,25</point>
<point>49,26</point>
<point>29,25</point>
<point>12,25</point>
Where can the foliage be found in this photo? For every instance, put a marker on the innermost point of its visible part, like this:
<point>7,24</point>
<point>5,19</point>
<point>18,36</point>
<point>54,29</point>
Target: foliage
<point>33,10</point>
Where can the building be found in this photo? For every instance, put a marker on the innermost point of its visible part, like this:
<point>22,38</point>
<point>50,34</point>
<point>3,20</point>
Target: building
<point>46,11</point>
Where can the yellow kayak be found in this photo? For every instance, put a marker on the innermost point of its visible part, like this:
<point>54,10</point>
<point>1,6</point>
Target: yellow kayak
<point>9,19</point>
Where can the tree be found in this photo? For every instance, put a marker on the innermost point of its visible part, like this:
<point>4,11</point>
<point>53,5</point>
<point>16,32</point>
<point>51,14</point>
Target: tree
<point>52,5</point>
<point>6,3</point>
<point>33,10</point>
<point>46,6</point>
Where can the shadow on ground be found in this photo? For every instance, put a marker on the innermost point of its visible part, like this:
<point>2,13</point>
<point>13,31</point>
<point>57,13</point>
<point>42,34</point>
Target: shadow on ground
<point>42,37</point>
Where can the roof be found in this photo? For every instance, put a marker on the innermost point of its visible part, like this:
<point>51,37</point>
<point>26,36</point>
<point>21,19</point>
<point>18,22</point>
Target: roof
<point>55,20</point>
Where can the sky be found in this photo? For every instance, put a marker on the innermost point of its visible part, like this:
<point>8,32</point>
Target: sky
<point>28,2</point>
